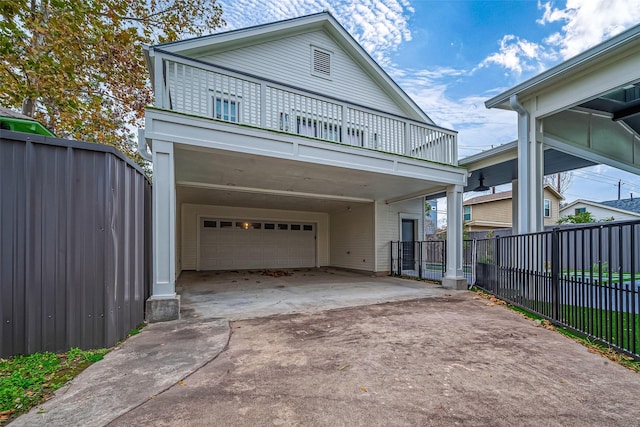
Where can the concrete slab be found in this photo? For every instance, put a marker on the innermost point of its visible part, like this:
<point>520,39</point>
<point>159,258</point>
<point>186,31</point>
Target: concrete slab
<point>237,295</point>
<point>144,366</point>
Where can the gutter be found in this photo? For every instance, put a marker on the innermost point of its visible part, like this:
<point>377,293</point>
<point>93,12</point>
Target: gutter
<point>142,147</point>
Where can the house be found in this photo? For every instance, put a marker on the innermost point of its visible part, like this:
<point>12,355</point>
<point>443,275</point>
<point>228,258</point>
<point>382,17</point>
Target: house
<point>286,145</point>
<point>494,211</point>
<point>619,210</point>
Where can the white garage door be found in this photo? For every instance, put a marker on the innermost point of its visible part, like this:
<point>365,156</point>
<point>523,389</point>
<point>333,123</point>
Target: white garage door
<point>231,244</point>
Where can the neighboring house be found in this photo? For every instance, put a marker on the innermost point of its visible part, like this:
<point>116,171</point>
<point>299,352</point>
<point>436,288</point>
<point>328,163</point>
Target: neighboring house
<point>430,219</point>
<point>286,145</point>
<point>494,211</point>
<point>619,210</point>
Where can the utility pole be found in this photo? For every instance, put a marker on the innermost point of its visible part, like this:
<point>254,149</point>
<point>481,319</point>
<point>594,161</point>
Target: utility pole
<point>619,185</point>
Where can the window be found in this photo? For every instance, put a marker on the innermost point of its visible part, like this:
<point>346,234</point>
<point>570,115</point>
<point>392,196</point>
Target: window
<point>466,213</point>
<point>226,109</point>
<point>210,224</point>
<point>580,210</point>
<point>547,208</point>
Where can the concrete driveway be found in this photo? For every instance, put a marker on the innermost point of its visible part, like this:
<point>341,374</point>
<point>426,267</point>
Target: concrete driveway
<point>454,359</point>
<point>236,295</point>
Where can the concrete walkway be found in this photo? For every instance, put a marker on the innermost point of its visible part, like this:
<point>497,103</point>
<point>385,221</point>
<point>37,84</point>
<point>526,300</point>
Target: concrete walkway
<point>140,369</point>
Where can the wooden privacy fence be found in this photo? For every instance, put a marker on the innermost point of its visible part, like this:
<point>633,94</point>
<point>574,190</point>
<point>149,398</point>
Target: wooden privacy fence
<point>75,244</point>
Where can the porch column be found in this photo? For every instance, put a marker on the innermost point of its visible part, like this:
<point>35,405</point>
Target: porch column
<point>530,169</point>
<point>454,276</point>
<point>163,304</point>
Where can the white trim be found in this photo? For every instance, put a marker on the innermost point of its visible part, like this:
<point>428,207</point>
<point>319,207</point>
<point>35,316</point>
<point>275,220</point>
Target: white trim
<point>544,208</point>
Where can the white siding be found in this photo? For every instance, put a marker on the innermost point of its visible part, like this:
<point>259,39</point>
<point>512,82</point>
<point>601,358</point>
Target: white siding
<point>388,227</point>
<point>190,214</point>
<point>288,60</point>
<point>352,238</point>
<point>599,213</point>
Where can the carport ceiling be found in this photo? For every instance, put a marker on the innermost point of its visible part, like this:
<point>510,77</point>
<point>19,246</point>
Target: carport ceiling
<point>260,201</point>
<point>504,172</point>
<point>623,104</point>
<point>222,173</point>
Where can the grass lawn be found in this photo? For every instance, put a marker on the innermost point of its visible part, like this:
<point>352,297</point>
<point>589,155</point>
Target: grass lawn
<point>616,327</point>
<point>26,381</point>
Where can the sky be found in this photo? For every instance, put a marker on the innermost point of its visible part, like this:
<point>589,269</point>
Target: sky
<point>451,56</point>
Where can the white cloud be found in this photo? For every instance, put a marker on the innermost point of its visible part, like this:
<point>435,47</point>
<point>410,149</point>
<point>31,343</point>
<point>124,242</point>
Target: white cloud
<point>478,128</point>
<point>380,26</point>
<point>517,55</point>
<point>588,22</point>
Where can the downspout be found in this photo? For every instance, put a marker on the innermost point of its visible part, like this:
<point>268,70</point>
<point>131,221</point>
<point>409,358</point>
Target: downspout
<point>142,147</point>
<point>522,219</point>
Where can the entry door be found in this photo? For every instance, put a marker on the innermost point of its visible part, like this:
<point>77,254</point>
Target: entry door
<point>408,245</point>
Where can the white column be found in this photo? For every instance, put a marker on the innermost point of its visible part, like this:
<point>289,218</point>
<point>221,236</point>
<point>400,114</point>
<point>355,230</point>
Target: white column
<point>454,276</point>
<point>523,208</point>
<point>164,220</point>
<point>536,172</point>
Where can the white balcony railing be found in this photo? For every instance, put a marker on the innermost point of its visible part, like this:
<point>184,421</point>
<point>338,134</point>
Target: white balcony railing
<point>193,87</point>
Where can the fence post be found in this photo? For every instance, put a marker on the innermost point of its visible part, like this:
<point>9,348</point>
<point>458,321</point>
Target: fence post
<point>555,273</point>
<point>496,264</point>
<point>419,243</point>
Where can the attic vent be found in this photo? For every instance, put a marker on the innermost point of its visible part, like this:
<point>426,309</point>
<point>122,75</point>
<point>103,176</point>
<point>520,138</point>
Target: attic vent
<point>321,62</point>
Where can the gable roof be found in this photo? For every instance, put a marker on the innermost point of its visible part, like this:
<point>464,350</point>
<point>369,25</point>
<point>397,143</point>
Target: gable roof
<point>503,195</point>
<point>242,37</point>
<point>631,205</point>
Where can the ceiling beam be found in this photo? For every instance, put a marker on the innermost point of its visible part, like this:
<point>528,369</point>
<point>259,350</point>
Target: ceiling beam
<point>286,193</point>
<point>626,112</point>
<point>422,193</point>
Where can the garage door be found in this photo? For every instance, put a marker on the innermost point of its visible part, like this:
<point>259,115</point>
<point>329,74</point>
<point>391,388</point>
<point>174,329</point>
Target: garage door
<point>231,244</point>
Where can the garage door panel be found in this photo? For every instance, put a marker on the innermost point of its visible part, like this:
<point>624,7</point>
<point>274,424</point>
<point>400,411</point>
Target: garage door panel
<point>232,244</point>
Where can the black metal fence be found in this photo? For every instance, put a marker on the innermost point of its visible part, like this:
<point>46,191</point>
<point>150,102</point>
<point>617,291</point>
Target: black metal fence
<point>75,244</point>
<point>584,278</point>
<point>422,259</point>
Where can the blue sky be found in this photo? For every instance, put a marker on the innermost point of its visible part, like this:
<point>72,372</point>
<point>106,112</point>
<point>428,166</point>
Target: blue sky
<point>451,56</point>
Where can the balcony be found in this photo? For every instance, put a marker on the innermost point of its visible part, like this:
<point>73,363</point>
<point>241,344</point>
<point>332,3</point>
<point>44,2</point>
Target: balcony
<point>202,89</point>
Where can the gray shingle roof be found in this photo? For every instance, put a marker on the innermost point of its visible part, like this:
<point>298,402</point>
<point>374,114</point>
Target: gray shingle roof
<point>632,205</point>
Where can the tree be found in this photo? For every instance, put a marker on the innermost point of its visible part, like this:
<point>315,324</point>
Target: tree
<point>78,66</point>
<point>562,180</point>
<point>579,218</point>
